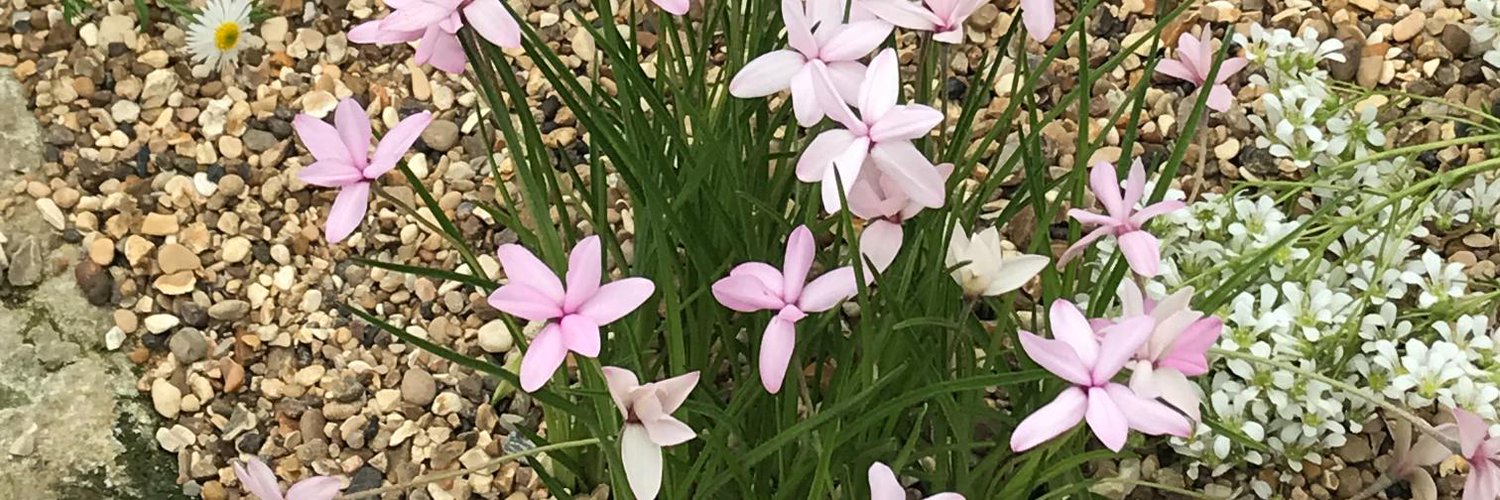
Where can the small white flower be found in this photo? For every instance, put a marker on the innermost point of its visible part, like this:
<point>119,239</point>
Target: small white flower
<point>1438,280</point>
<point>218,33</point>
<point>985,270</point>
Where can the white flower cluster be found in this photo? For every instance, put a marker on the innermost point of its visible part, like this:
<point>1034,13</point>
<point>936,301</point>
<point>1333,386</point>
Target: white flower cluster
<point>1355,297</point>
<point>1487,31</point>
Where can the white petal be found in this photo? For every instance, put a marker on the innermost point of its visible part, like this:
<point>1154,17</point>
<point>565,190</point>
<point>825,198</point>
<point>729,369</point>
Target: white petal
<point>642,459</point>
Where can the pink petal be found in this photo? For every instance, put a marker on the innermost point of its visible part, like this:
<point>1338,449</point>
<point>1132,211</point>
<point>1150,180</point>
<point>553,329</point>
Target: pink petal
<point>1040,18</point>
<point>1189,353</point>
<point>1135,184</point>
<point>1120,342</point>
<point>1069,325</point>
<point>1190,52</point>
<point>522,266</point>
<point>348,211</point>
<point>905,123</point>
<point>903,13</point>
<point>798,30</point>
<point>828,99</point>
<point>745,294</point>
<point>1055,356</point>
<point>616,299</point>
<point>372,32</point>
<point>776,353</point>
<point>1050,421</point>
<point>321,139</point>
<point>1015,272</point>
<point>883,483</point>
<point>1177,391</point>
<point>525,302</point>
<point>330,173</point>
<point>768,74</point>
<point>828,290</point>
<point>1090,218</point>
<point>673,7</point>
<point>958,11</point>
<point>1106,188</point>
<point>1106,419</point>
<point>1148,416</point>
<point>642,460</point>
<point>581,335</point>
<point>585,264</point>
<point>912,208</point>
<point>543,358</point>
<point>1219,98</point>
<point>494,22</point>
<point>769,276</point>
<point>855,41</point>
<point>416,16</point>
<point>1156,209</point>
<point>819,155</point>
<point>805,97</point>
<point>1205,57</point>
<point>879,243</point>
<point>946,496</point>
<point>903,163</point>
<point>1142,251</point>
<point>674,391</point>
<point>953,35</point>
<point>1082,244</point>
<point>882,84</point>
<point>441,50</point>
<point>620,382</point>
<point>847,77</point>
<point>354,129</point>
<point>1483,482</point>
<point>1472,431</point>
<point>845,171</point>
<point>794,266</point>
<point>1229,68</point>
<point>258,479</point>
<point>396,142</point>
<point>668,431</point>
<point>1178,70</point>
<point>315,488</point>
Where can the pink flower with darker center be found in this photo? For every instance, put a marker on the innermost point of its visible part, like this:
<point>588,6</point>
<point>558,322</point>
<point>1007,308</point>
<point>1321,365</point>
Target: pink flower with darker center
<point>1090,363</point>
<point>649,424</point>
<point>1121,219</point>
<point>573,313</point>
<point>1482,451</point>
<point>882,200</point>
<point>344,161</point>
<point>944,18</point>
<point>1177,348</point>
<point>820,44</point>
<point>757,286</point>
<point>1195,59</point>
<point>436,23</point>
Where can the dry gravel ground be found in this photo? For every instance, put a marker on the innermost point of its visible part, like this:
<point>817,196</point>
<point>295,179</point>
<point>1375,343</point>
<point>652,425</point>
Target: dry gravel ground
<point>166,198</point>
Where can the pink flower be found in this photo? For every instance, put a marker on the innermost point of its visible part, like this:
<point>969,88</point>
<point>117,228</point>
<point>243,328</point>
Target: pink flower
<point>832,50</point>
<point>1177,348</point>
<point>1483,454</point>
<point>673,7</point>
<point>883,132</point>
<point>436,24</point>
<point>944,18</point>
<point>885,486</point>
<point>1410,458</point>
<point>1089,363</point>
<point>649,424</point>
<point>1040,18</point>
<point>1141,249</point>
<point>883,202</point>
<point>1195,58</point>
<point>573,315</point>
<point>756,286</point>
<point>261,482</point>
<point>344,160</point>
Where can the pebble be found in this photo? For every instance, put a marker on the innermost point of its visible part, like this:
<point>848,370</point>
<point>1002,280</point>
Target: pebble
<point>189,345</point>
<point>234,374</point>
<point>495,337</point>
<point>446,404</point>
<point>175,284</point>
<point>102,251</point>
<point>174,258</point>
<point>159,225</point>
<point>25,444</point>
<point>1409,26</point>
<point>51,213</point>
<point>229,310</point>
<point>114,338</point>
<point>175,438</point>
<point>166,398</point>
<point>441,135</point>
<point>158,323</point>
<point>418,387</point>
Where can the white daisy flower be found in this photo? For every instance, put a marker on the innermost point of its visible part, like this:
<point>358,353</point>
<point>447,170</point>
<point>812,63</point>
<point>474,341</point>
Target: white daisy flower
<point>218,33</point>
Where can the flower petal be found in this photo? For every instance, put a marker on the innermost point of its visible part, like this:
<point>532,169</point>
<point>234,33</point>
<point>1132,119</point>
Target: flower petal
<point>621,383</point>
<point>416,16</point>
<point>1051,420</point>
<point>581,335</point>
<point>1082,244</point>
<point>796,263</point>
<point>805,97</point>
<point>879,244</point>
<point>845,172</point>
<point>883,483</point>
<point>543,358</point>
<point>819,155</point>
<point>673,7</point>
<point>905,123</point>
<point>1472,431</point>
<point>855,40</point>
<point>882,84</point>
<point>1135,184</point>
<point>768,74</point>
<point>1069,325</point>
<point>1040,18</point>
<point>348,211</point>
<point>616,299</point>
<point>584,268</point>
<point>1105,184</point>
<point>1188,353</point>
<point>1055,356</point>
<point>847,77</point>
<point>798,29</point>
<point>321,139</point>
<point>642,460</point>
<point>745,294</point>
<point>1219,98</point>
<point>1142,251</point>
<point>258,479</point>
<point>354,129</point>
<point>330,173</point>
<point>1119,343</point>
<point>674,391</point>
<point>493,22</point>
<point>1106,419</point>
<point>1015,272</point>
<point>769,276</point>
<point>776,353</point>
<point>668,431</point>
<point>315,488</point>
<point>525,302</point>
<point>829,101</point>
<point>1229,68</point>
<point>828,290</point>
<point>441,50</point>
<point>371,32</point>
<point>903,13</point>
<point>396,142</point>
<point>905,164</point>
<point>522,266</point>
<point>1176,69</point>
<point>1144,415</point>
<point>1156,209</point>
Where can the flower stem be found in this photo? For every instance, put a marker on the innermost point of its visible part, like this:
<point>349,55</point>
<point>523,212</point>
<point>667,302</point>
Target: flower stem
<point>1198,180</point>
<point>1385,481</point>
<point>441,476</point>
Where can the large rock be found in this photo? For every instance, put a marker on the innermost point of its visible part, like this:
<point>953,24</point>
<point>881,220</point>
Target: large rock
<point>20,135</point>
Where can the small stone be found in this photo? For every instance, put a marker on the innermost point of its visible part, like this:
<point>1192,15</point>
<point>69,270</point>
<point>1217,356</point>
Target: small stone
<point>1227,149</point>
<point>175,258</point>
<point>158,323</point>
<point>441,135</point>
<point>176,438</point>
<point>136,248</point>
<point>447,403</point>
<point>114,338</point>
<point>51,213</point>
<point>166,398</point>
<point>234,374</point>
<point>159,225</point>
<point>102,251</point>
<point>309,376</point>
<point>25,444</point>
<point>125,112</point>
<point>189,345</point>
<point>229,310</point>
<point>1408,26</point>
<point>1478,240</point>
<point>176,283</point>
<point>235,250</point>
<point>418,387</point>
<point>495,337</point>
<point>1456,39</point>
<point>319,103</point>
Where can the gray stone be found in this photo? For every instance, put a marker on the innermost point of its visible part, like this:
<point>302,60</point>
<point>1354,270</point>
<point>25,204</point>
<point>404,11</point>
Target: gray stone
<point>20,136</point>
<point>418,387</point>
<point>441,135</point>
<point>189,345</point>
<point>229,310</point>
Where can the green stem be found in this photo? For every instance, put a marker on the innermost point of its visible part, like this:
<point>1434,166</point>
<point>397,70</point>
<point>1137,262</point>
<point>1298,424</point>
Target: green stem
<point>458,244</point>
<point>441,476</point>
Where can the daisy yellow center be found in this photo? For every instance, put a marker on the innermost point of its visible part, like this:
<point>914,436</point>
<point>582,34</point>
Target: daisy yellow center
<point>227,36</point>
